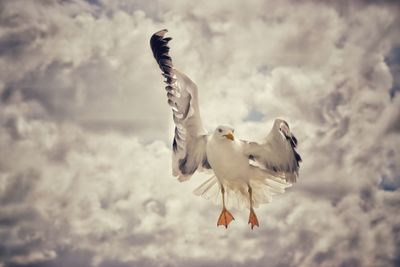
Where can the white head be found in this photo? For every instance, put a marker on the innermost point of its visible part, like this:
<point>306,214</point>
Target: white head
<point>225,133</point>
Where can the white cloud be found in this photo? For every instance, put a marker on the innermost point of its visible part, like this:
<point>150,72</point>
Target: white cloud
<point>85,177</point>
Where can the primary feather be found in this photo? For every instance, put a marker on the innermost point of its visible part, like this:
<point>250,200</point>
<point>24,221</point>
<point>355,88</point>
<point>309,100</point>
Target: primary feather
<point>190,137</point>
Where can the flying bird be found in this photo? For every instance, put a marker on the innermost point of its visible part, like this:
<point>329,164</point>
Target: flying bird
<point>248,172</point>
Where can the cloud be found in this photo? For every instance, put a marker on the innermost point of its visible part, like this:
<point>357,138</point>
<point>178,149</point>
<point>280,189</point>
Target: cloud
<point>85,131</point>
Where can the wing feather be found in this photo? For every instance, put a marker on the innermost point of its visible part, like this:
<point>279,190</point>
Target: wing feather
<point>276,153</point>
<point>190,138</point>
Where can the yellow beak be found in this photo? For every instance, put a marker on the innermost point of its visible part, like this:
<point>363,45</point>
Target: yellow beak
<point>229,136</point>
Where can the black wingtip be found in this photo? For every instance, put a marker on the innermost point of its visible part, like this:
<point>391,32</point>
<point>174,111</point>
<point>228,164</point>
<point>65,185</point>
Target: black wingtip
<point>158,35</point>
<point>157,40</point>
<point>293,142</point>
<point>160,48</point>
<point>294,139</point>
<point>298,157</point>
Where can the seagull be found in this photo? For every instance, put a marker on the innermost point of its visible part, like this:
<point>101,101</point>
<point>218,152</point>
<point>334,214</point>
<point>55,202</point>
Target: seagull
<point>248,172</point>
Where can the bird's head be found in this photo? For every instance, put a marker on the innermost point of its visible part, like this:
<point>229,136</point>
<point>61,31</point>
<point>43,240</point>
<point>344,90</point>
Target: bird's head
<point>224,133</point>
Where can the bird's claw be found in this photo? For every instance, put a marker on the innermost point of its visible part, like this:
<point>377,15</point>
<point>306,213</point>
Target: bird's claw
<point>225,218</point>
<point>253,221</point>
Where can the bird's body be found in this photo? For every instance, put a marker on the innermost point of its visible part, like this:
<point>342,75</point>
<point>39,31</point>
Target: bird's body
<point>249,172</point>
<point>228,161</point>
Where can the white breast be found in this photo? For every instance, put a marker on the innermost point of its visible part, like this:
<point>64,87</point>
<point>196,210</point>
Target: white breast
<point>227,159</point>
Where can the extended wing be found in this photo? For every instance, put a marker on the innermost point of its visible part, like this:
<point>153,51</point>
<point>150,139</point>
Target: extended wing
<point>189,144</point>
<point>277,152</point>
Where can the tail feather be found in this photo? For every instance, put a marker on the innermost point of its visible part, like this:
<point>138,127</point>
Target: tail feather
<point>264,190</point>
<point>276,186</point>
<point>209,189</point>
<point>237,195</point>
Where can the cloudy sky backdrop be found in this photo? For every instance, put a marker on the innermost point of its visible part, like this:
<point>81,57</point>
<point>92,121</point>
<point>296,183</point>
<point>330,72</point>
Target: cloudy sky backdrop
<point>85,131</point>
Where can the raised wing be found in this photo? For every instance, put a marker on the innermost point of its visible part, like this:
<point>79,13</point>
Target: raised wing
<point>277,152</point>
<point>189,144</point>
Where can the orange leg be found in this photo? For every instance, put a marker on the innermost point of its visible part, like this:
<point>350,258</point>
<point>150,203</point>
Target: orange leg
<point>226,217</point>
<point>252,217</point>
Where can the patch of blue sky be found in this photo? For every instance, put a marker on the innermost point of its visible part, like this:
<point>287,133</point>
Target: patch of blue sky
<point>389,183</point>
<point>393,61</point>
<point>254,115</point>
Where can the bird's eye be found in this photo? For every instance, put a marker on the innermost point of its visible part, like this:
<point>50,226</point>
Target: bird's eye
<point>219,130</point>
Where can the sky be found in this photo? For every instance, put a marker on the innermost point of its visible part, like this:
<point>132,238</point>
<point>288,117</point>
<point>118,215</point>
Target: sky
<point>85,131</point>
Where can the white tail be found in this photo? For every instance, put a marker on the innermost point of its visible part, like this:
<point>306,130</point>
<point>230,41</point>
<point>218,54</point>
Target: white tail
<point>237,195</point>
<point>209,189</point>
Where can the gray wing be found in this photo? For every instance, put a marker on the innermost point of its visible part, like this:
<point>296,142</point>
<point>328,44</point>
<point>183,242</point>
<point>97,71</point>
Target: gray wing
<point>277,153</point>
<point>189,144</point>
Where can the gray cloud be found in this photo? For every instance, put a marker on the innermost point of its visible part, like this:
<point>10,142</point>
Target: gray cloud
<point>85,168</point>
